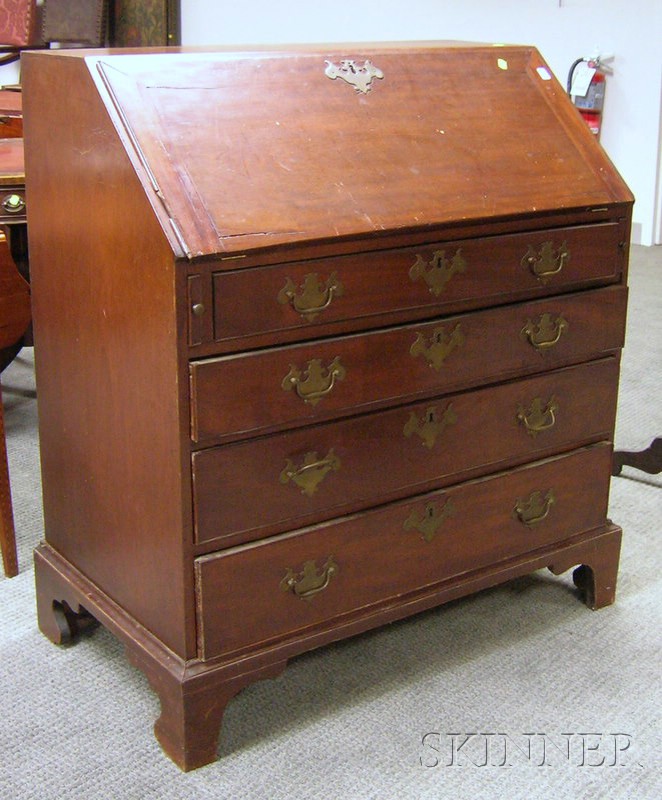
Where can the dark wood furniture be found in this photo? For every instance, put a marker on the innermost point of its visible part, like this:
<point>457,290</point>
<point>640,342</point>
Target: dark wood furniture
<point>11,114</point>
<point>338,341</point>
<point>14,313</point>
<point>145,23</point>
<point>648,460</point>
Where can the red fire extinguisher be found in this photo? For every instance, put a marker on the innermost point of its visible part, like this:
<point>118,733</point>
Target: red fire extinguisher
<point>586,87</point>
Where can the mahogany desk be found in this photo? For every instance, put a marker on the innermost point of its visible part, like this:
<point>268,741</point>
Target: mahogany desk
<point>326,336</point>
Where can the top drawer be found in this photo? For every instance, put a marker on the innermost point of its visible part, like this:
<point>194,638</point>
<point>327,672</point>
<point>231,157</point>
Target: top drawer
<point>440,277</point>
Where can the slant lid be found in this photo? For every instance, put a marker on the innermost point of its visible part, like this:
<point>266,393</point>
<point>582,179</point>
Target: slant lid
<point>255,149</point>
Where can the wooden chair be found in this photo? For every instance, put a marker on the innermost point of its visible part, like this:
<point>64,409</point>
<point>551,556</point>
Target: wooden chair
<point>7,532</point>
<point>20,23</point>
<point>14,320</point>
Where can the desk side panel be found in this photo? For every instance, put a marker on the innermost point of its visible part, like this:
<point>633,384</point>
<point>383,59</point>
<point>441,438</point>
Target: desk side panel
<point>111,404</point>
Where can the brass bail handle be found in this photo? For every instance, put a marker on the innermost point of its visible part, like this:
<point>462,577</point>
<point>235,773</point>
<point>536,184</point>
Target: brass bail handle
<point>546,262</point>
<point>539,417</point>
<point>311,472</point>
<point>315,382</point>
<point>313,296</point>
<point>535,508</point>
<point>545,333</point>
<point>309,581</point>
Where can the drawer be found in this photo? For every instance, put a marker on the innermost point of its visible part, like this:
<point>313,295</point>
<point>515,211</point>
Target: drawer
<point>440,277</point>
<point>237,395</point>
<point>310,474</point>
<point>276,587</point>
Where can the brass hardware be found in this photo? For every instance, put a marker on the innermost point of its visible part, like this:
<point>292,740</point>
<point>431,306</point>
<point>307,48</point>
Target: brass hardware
<point>438,271</point>
<point>360,77</point>
<point>538,419</point>
<point>440,346</point>
<point>545,333</point>
<point>429,521</point>
<point>13,204</point>
<point>309,581</point>
<point>317,382</point>
<point>546,262</point>
<point>430,425</point>
<point>535,508</point>
<point>198,309</point>
<point>312,471</point>
<point>314,295</point>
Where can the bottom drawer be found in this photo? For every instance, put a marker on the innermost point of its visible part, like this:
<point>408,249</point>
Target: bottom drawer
<point>266,590</point>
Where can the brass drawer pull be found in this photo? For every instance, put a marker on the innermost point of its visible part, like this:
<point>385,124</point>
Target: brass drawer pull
<point>314,296</point>
<point>430,425</point>
<point>315,382</point>
<point>13,204</point>
<point>535,508</point>
<point>309,581</point>
<point>311,473</point>
<point>439,347</point>
<point>428,522</point>
<point>546,262</point>
<point>546,332</point>
<point>438,271</point>
<point>538,418</point>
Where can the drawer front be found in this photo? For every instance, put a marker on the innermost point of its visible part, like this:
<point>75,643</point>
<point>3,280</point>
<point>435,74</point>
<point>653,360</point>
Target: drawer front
<point>283,387</point>
<point>310,474</point>
<point>445,276</point>
<point>274,588</point>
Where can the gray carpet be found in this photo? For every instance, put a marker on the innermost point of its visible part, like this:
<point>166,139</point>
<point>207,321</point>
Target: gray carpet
<point>569,699</point>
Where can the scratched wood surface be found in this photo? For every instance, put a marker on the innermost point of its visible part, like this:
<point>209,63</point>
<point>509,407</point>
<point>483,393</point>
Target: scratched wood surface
<point>263,150</point>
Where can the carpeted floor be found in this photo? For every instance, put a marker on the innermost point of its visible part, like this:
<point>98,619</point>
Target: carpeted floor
<point>517,692</point>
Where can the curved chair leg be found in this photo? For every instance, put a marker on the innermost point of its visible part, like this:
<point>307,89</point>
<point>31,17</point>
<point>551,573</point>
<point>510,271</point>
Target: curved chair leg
<point>7,532</point>
<point>648,460</point>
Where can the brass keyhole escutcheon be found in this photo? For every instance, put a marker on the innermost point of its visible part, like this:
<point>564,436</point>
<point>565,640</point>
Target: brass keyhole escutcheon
<point>315,381</point>
<point>545,333</point>
<point>535,508</point>
<point>436,349</point>
<point>428,521</point>
<point>360,76</point>
<point>546,261</point>
<point>313,296</point>
<point>431,425</point>
<point>438,270</point>
<point>539,416</point>
<point>311,472</point>
<point>310,581</point>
